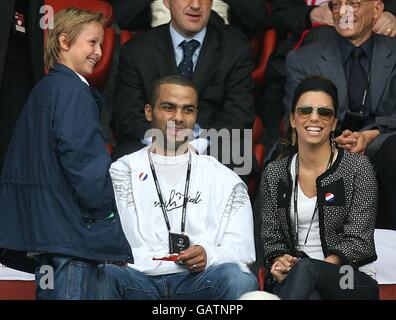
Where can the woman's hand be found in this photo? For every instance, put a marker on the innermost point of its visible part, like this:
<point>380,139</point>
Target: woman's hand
<point>281,266</point>
<point>333,259</point>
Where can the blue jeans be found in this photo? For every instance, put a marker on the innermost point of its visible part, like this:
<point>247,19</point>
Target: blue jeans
<point>65,278</point>
<point>312,279</point>
<point>222,282</point>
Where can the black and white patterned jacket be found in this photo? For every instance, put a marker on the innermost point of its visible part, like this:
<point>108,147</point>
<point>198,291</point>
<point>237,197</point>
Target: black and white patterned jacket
<point>346,224</point>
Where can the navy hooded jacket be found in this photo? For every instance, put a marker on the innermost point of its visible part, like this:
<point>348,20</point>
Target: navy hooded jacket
<point>56,194</point>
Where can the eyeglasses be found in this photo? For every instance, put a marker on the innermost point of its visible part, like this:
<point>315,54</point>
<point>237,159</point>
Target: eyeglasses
<point>324,113</point>
<point>335,6</point>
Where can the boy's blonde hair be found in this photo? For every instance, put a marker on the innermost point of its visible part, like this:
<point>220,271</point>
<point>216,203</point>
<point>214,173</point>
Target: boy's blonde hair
<point>72,22</point>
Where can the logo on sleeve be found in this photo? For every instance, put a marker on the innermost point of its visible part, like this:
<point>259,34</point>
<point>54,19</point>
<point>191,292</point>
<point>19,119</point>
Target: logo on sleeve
<point>143,176</point>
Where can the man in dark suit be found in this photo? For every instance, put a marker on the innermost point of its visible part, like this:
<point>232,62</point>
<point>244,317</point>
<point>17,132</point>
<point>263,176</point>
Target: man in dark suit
<point>363,66</point>
<point>221,70</point>
<point>250,16</point>
<point>21,61</point>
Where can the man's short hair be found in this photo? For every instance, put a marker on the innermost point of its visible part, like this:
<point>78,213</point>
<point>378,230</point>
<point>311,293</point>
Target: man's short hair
<point>177,79</point>
<point>72,22</point>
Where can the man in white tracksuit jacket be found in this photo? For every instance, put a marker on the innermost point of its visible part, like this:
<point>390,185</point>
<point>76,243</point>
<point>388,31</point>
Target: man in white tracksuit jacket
<point>155,187</point>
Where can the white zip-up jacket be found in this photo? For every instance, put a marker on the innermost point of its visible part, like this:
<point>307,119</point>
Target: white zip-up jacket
<point>219,214</point>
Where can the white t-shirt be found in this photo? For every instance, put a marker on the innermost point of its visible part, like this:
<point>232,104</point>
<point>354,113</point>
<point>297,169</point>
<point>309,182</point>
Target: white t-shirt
<point>306,207</point>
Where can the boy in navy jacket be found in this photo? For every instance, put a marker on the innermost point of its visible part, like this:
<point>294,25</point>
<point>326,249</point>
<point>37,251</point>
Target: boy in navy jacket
<point>56,197</point>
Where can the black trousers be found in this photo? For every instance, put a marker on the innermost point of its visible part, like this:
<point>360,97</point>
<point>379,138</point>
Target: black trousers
<point>385,164</point>
<point>312,279</point>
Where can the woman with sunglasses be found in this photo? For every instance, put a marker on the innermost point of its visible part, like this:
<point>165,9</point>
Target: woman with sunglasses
<point>318,207</point>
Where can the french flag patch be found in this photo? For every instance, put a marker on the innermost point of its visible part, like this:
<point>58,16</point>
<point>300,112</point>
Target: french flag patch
<point>329,197</point>
<point>143,176</point>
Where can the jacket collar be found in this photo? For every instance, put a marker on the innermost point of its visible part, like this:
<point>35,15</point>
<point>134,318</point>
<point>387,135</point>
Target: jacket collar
<point>164,56</point>
<point>325,174</point>
<point>59,67</point>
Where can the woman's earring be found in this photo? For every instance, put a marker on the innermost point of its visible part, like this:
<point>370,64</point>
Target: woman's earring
<point>333,142</point>
<point>294,137</point>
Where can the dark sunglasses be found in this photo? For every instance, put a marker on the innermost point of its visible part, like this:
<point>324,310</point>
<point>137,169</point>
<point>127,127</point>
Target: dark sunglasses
<point>324,113</point>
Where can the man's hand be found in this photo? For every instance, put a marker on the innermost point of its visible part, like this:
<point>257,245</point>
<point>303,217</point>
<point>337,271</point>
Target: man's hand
<point>194,258</point>
<point>322,14</point>
<point>347,140</point>
<point>356,142</point>
<point>281,266</point>
<point>385,24</point>
<point>364,138</point>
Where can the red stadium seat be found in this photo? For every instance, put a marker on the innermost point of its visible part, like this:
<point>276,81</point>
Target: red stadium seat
<point>387,291</point>
<point>100,74</point>
<point>17,290</point>
<point>261,277</point>
<point>258,153</point>
<point>263,45</point>
<point>125,36</point>
<point>258,130</point>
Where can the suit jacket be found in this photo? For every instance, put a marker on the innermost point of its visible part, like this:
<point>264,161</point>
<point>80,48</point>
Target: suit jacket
<point>324,58</point>
<point>222,76</point>
<point>250,15</point>
<point>36,35</point>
